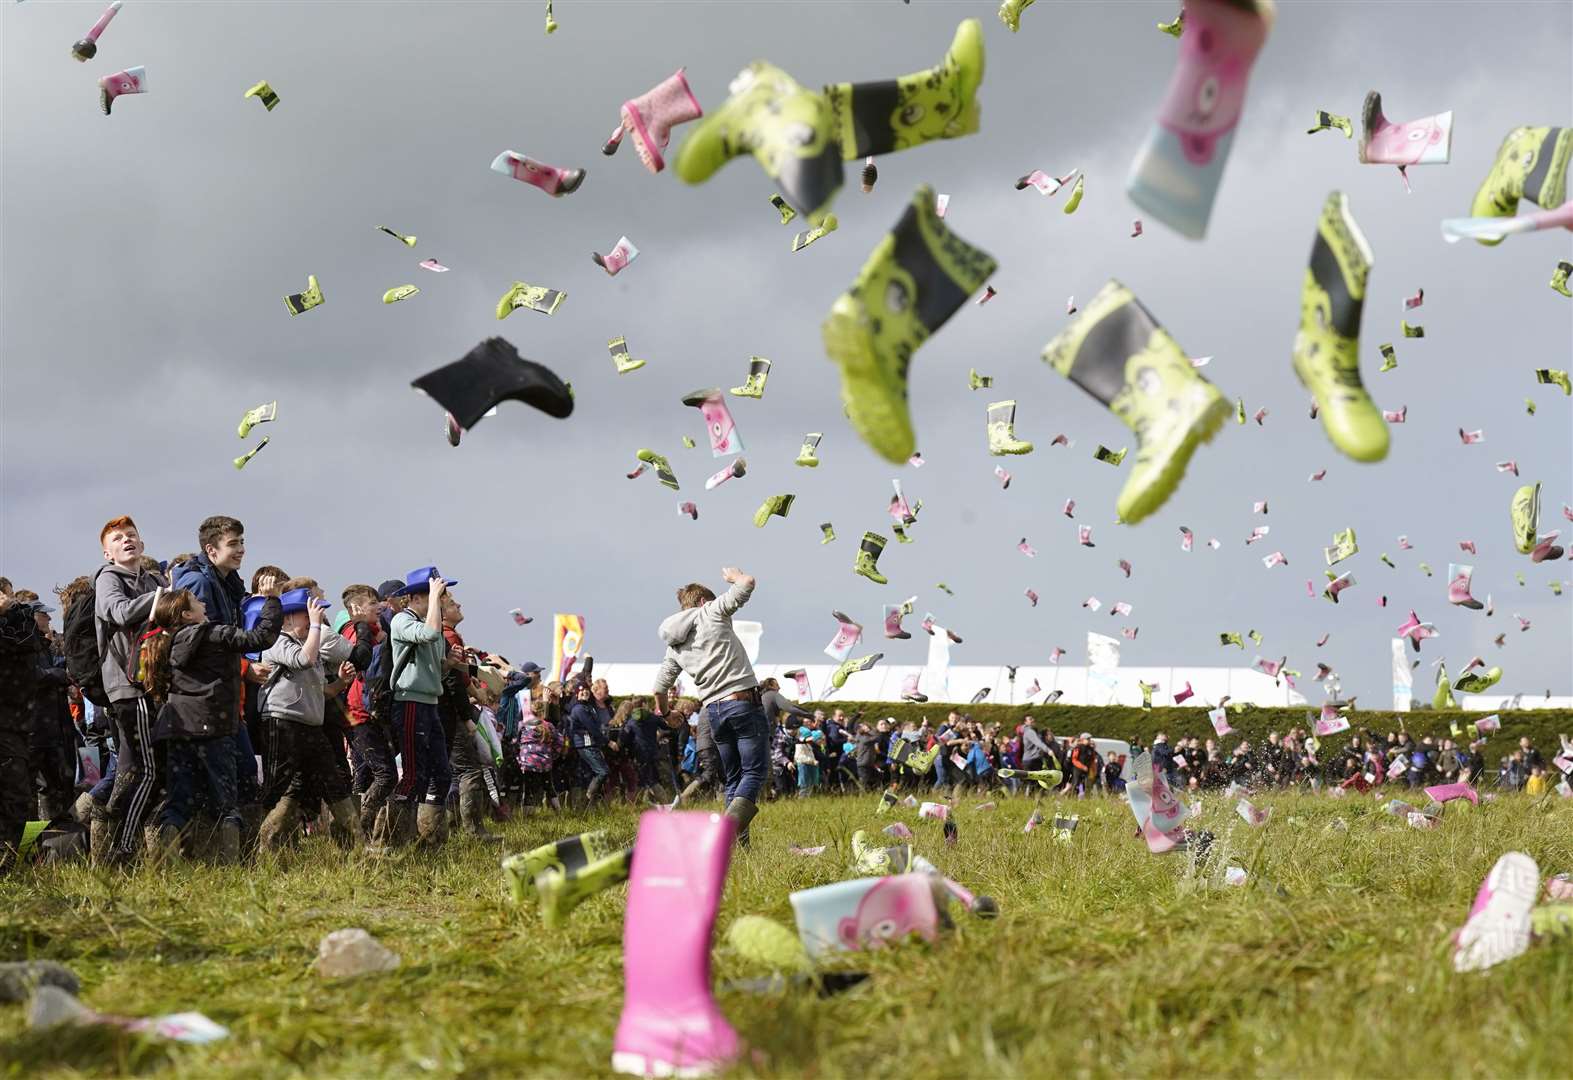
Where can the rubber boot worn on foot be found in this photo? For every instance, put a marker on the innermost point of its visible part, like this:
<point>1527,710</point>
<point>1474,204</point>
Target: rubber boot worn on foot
<point>915,279</point>
<point>1327,347</point>
<point>670,1024</point>
<point>280,825</point>
<point>742,811</point>
<point>788,130</point>
<point>345,828</point>
<point>896,114</point>
<point>1116,351</point>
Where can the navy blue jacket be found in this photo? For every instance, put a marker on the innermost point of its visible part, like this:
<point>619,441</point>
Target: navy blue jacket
<point>221,593</point>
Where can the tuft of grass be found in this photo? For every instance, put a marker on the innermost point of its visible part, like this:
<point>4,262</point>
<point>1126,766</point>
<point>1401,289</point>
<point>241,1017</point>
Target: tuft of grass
<point>1105,960</point>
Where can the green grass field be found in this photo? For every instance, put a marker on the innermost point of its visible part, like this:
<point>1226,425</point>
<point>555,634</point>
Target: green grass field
<point>1105,960</point>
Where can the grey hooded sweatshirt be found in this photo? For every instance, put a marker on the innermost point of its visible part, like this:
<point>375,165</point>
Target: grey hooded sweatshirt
<point>122,603</point>
<point>701,642</point>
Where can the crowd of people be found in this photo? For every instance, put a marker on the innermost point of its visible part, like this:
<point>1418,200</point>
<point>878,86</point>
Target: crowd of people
<point>175,694</point>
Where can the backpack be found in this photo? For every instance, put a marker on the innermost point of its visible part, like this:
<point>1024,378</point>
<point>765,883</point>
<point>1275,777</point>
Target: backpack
<point>83,661</point>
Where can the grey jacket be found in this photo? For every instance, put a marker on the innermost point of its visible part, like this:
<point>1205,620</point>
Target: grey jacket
<point>122,602</point>
<point>701,642</point>
<point>295,690</point>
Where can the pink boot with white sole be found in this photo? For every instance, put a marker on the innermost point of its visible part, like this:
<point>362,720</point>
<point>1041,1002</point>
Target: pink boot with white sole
<point>1498,925</point>
<point>670,1024</point>
<point>549,178</point>
<point>651,117</point>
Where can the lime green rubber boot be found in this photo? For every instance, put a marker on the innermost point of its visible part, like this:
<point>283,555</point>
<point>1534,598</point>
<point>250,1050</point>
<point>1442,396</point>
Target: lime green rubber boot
<point>1443,698</point>
<point>1526,517</point>
<point>1010,12</point>
<point>561,891</point>
<point>1327,348</point>
<point>662,467</point>
<point>867,564</point>
<point>895,114</point>
<point>1116,351</point>
<point>914,280</point>
<point>838,678</point>
<point>570,853</point>
<point>1559,277</point>
<point>808,454</point>
<point>1552,920</point>
<point>618,347</point>
<point>1478,682</point>
<point>1002,430</point>
<point>1531,163</point>
<point>777,505</point>
<point>758,372</point>
<point>788,130</point>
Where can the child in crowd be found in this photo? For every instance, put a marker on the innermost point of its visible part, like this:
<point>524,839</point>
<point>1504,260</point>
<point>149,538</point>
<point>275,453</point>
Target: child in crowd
<point>194,672</point>
<point>301,762</point>
<point>418,656</point>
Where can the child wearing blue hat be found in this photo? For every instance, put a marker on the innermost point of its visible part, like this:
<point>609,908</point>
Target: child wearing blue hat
<point>300,760</point>
<point>419,651</point>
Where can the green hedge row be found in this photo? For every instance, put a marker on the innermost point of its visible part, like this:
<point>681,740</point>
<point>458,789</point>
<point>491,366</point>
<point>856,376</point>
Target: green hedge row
<point>1125,722</point>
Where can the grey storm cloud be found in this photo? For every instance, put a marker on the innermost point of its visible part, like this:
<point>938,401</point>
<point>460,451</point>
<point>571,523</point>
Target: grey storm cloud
<point>145,257</point>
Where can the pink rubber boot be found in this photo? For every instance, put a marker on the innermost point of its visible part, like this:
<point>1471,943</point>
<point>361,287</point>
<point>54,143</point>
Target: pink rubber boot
<point>1458,589</point>
<point>651,117</point>
<point>1498,925</point>
<point>670,1024</point>
<point>129,81</point>
<point>1448,792</point>
<point>549,178</point>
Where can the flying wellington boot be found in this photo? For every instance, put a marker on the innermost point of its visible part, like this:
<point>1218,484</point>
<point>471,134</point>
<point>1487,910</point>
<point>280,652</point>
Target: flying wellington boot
<point>651,116</point>
<point>1116,351</point>
<point>1526,517</point>
<point>1559,280</point>
<point>129,81</point>
<point>867,563</point>
<point>561,891</point>
<point>1327,347</point>
<point>758,372</point>
<point>1002,430</point>
<point>1459,579</point>
<point>838,678</point>
<point>896,114</point>
<point>788,130</point>
<point>1175,177</point>
<point>572,853</point>
<point>777,505</point>
<point>1010,12</point>
<point>618,347</point>
<point>914,280</point>
<point>808,456</point>
<point>670,1025</point>
<point>1478,682</point>
<point>1531,163</point>
<point>1443,698</point>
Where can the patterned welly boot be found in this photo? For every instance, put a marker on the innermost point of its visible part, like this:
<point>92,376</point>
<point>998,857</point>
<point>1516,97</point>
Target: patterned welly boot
<point>650,118</point>
<point>758,372</point>
<point>788,130</point>
<point>895,114</point>
<point>1327,348</point>
<point>867,564</point>
<point>570,853</point>
<point>914,280</point>
<point>1531,163</point>
<point>560,891</point>
<point>1002,430</point>
<point>1116,351</point>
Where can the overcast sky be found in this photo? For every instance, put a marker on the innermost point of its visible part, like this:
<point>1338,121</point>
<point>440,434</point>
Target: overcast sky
<point>145,255</point>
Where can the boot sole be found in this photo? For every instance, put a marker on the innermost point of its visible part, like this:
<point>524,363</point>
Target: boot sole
<point>1203,429</point>
<point>624,1061</point>
<point>879,414</point>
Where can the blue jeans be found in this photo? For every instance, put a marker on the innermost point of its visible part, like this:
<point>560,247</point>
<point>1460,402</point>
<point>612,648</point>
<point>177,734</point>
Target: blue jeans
<point>593,761</point>
<point>742,739</point>
<point>807,778</point>
<point>205,765</point>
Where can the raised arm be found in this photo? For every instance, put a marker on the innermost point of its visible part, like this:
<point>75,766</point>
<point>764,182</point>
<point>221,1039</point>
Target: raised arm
<point>734,598</point>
